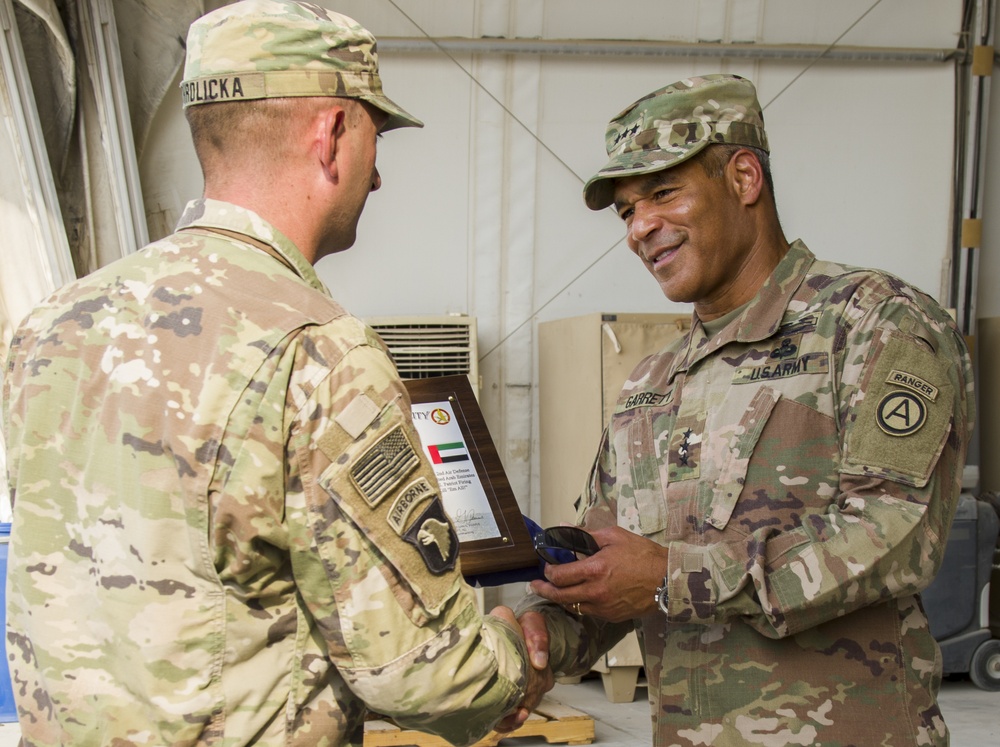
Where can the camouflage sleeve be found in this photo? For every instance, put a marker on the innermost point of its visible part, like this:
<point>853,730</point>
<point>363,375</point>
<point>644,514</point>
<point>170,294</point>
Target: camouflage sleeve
<point>375,559</point>
<point>905,412</point>
<point>577,642</point>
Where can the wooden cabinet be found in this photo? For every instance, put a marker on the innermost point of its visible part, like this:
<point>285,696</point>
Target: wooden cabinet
<point>582,364</point>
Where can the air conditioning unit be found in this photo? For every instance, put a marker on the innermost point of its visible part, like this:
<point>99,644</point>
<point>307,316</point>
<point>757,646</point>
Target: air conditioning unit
<point>427,346</point>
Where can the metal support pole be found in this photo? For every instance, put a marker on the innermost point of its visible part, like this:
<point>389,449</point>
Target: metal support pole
<point>974,76</point>
<point>100,35</point>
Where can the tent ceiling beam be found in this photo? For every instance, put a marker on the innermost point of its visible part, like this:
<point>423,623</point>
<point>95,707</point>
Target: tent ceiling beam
<point>625,48</point>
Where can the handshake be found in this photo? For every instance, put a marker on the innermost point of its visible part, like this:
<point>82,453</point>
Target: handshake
<point>612,582</point>
<point>539,677</point>
<point>556,545</point>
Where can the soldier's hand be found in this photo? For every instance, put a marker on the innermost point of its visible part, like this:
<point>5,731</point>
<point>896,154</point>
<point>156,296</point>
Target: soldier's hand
<point>536,635</point>
<point>539,676</point>
<point>616,583</point>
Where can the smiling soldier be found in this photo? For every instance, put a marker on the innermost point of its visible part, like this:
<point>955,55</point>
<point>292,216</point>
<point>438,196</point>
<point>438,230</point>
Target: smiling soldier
<point>776,488</point>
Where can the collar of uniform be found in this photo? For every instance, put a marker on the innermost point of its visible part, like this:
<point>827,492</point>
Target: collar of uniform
<point>766,311</point>
<point>762,315</point>
<point>206,213</point>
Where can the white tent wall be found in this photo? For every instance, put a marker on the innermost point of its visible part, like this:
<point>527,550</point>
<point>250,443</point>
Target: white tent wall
<point>481,212</point>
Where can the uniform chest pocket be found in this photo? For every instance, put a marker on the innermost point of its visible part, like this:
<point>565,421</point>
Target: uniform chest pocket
<point>640,455</point>
<point>733,468</point>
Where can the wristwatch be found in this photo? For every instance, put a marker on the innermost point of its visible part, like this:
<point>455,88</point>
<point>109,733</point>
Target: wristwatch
<point>662,598</point>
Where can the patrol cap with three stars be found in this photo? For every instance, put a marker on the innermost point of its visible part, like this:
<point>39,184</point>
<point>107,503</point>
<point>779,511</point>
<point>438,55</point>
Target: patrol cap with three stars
<point>671,125</point>
<point>257,49</point>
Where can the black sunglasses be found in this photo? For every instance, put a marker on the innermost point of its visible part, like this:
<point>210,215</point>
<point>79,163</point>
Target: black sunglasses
<point>563,544</point>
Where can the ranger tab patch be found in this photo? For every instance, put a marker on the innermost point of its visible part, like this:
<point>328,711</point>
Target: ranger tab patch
<point>913,383</point>
<point>380,469</point>
<point>435,539</point>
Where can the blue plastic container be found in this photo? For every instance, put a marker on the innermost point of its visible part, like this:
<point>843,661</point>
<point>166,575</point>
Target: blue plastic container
<point>8,712</point>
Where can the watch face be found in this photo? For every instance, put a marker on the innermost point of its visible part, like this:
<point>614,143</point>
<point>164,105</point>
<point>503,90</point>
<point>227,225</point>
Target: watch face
<point>662,599</point>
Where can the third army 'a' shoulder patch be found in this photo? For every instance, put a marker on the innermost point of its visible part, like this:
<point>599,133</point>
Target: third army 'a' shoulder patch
<point>901,414</point>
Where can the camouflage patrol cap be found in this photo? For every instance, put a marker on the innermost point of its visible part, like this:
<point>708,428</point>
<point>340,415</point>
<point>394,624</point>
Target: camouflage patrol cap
<point>258,49</point>
<point>674,123</point>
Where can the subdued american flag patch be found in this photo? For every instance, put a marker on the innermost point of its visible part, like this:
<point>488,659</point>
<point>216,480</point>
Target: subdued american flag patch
<point>380,469</point>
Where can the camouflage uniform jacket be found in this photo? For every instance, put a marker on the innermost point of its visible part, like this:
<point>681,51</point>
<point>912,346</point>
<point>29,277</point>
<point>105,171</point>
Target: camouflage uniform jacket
<point>803,467</point>
<point>225,529</point>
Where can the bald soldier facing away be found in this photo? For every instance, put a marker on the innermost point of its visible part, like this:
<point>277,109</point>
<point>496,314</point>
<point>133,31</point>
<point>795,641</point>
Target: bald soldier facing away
<point>205,448</point>
<point>776,488</point>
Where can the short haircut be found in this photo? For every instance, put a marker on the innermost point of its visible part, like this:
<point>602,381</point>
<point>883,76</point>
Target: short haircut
<point>715,157</point>
<point>235,133</point>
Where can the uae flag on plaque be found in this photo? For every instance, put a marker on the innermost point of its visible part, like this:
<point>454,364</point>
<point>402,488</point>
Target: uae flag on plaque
<point>451,452</point>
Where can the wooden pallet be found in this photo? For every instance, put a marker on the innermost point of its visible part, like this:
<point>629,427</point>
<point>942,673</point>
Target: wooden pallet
<point>557,723</point>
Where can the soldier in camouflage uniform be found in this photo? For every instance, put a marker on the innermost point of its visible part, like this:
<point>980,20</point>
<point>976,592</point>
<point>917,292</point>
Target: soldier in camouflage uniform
<point>775,488</point>
<point>225,529</point>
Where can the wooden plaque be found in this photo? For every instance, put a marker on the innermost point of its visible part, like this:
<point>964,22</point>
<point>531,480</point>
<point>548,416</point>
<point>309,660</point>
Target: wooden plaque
<point>474,487</point>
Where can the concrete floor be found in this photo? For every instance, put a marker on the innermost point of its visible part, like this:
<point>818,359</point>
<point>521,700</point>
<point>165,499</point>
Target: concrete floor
<point>973,716</point>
